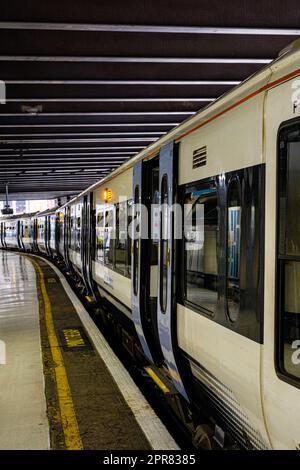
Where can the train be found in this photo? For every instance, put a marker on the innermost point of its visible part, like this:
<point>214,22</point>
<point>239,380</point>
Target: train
<point>213,311</point>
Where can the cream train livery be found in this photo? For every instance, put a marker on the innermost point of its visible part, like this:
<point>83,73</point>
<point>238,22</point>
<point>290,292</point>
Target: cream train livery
<point>216,314</point>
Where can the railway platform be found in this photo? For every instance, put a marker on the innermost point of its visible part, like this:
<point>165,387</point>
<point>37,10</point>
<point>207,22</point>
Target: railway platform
<point>61,385</point>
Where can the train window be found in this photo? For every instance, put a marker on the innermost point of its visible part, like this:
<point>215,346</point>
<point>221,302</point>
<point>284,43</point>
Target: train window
<point>233,248</point>
<point>201,248</point>
<point>78,235</point>
<point>100,219</point>
<point>100,237</point>
<point>289,251</point>
<point>108,242</point>
<point>136,241</point>
<point>121,237</point>
<point>73,233</point>
<point>164,241</point>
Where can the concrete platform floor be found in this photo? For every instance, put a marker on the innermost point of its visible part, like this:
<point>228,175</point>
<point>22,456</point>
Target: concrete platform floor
<point>61,386</point>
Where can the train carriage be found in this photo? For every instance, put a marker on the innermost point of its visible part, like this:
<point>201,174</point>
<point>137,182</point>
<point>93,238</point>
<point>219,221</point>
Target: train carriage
<point>192,249</point>
<point>44,232</point>
<point>26,232</point>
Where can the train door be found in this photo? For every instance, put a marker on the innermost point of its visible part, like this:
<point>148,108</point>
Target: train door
<point>2,233</point>
<point>46,234</point>
<point>87,242</point>
<point>20,230</point>
<point>67,237</point>
<point>166,305</point>
<point>32,234</point>
<point>145,258</point>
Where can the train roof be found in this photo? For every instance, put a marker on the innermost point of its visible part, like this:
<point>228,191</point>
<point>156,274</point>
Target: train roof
<point>252,86</point>
<point>46,212</point>
<point>17,216</point>
<point>27,215</point>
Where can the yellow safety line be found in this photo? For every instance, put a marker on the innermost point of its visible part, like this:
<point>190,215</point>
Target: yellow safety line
<point>157,380</point>
<point>68,417</point>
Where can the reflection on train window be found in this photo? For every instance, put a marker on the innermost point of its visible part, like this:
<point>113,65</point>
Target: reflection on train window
<point>108,242</point>
<point>100,237</point>
<point>121,237</point>
<point>201,247</point>
<point>289,250</point>
<point>164,253</point>
<point>233,248</point>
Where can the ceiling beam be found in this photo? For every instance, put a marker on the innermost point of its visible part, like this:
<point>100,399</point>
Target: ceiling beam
<point>42,168</point>
<point>50,176</point>
<point>77,155</point>
<point>121,124</point>
<point>134,28</point>
<point>60,141</point>
<point>100,113</point>
<point>47,164</point>
<point>142,60</point>
<point>80,174</point>
<point>50,149</point>
<point>68,160</point>
<point>125,82</point>
<point>87,134</point>
<point>105,100</point>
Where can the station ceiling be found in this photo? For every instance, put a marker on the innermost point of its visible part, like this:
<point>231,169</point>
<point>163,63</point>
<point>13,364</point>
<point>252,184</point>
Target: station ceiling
<point>91,83</point>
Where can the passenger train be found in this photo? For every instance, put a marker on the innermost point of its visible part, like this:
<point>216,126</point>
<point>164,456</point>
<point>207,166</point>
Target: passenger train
<point>215,312</point>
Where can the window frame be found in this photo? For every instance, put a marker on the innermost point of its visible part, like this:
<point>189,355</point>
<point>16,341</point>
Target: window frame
<point>189,188</point>
<point>164,245</point>
<point>233,179</point>
<point>117,238</point>
<point>101,211</point>
<point>110,208</point>
<point>136,243</point>
<point>253,197</point>
<point>279,269</point>
<point>114,208</point>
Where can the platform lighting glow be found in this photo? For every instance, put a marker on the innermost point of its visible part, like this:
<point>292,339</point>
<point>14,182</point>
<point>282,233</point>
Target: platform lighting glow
<point>107,195</point>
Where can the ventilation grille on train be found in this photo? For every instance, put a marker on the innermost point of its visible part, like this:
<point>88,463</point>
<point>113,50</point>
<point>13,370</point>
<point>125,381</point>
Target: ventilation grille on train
<point>199,157</point>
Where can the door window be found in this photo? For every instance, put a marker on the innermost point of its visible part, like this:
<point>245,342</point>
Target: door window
<point>289,251</point>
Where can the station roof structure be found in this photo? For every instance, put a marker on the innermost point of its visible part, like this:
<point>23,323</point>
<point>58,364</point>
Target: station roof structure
<point>91,83</point>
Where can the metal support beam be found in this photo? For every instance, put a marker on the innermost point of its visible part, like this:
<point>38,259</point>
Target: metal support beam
<point>125,82</point>
<point>106,100</point>
<point>66,141</point>
<point>100,113</point>
<point>50,149</point>
<point>25,158</point>
<point>155,29</point>
<point>121,124</point>
<point>138,60</point>
<point>87,134</point>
